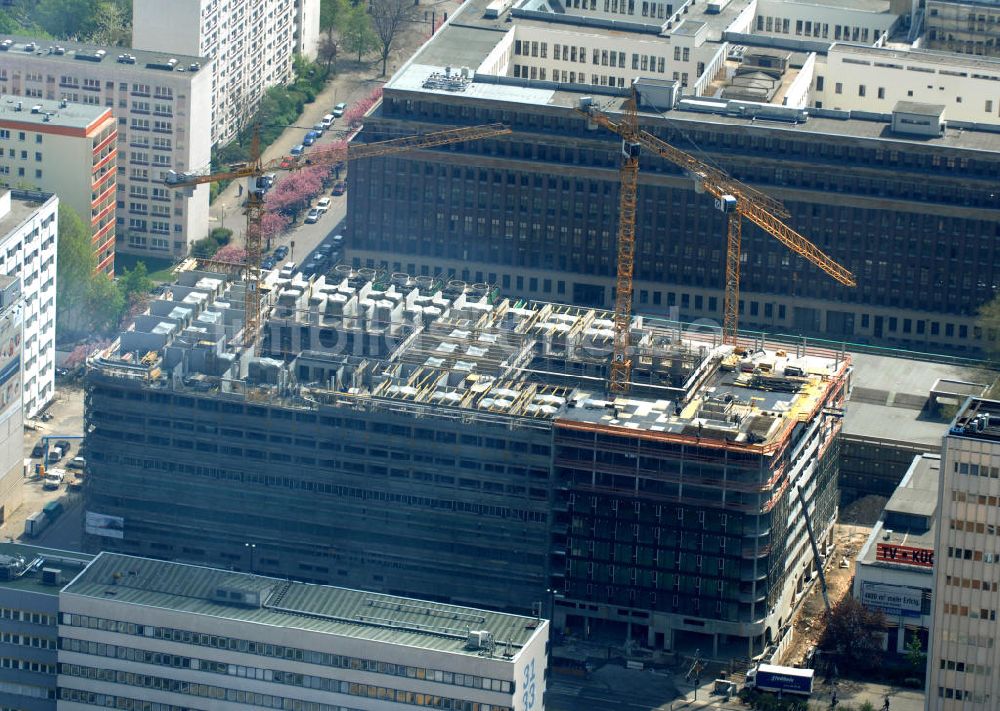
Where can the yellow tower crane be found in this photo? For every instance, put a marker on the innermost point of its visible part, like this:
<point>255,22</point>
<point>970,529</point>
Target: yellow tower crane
<point>257,167</point>
<point>731,196</point>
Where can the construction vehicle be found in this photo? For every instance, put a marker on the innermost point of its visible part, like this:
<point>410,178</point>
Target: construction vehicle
<point>257,168</point>
<point>731,197</point>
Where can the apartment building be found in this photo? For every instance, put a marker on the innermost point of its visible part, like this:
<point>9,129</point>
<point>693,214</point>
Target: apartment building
<point>69,150</point>
<point>434,439</point>
<point>11,413</point>
<point>895,567</point>
<point>163,105</point>
<point>30,580</point>
<point>961,666</point>
<point>29,226</point>
<point>252,43</point>
<point>967,27</point>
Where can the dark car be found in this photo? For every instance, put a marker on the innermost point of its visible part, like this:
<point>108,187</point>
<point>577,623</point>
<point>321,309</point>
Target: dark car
<point>38,450</point>
<point>340,187</point>
<point>64,445</point>
<point>281,252</point>
<point>268,263</point>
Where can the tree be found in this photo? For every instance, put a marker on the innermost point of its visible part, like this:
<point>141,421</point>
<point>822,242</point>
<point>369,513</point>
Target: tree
<point>388,20</point>
<point>87,302</point>
<point>135,284</point>
<point>357,33</point>
<point>915,653</point>
<point>854,631</point>
<point>327,52</point>
<point>232,253</point>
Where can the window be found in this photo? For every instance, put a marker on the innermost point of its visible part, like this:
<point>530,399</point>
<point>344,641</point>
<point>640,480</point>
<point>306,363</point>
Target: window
<point>861,90</point>
<point>881,92</point>
<point>839,88</point>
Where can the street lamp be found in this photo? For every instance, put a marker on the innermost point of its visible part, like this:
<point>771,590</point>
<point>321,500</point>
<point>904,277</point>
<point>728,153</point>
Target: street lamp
<point>251,547</point>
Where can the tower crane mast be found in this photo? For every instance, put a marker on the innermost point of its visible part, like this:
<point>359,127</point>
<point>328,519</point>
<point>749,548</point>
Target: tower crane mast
<point>731,196</point>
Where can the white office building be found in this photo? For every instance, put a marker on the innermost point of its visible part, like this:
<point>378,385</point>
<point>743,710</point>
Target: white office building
<point>961,667</point>
<point>29,224</point>
<point>253,43</point>
<point>162,102</point>
<point>136,632</point>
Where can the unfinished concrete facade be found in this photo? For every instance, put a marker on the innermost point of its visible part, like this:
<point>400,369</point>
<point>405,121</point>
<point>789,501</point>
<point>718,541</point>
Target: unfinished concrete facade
<point>432,438</point>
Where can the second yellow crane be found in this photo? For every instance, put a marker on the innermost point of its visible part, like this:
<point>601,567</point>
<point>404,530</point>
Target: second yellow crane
<point>731,196</point>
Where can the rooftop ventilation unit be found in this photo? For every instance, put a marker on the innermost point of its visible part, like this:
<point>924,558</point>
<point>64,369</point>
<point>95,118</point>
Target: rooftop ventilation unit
<point>478,639</point>
<point>36,109</point>
<point>30,47</point>
<point>58,50</point>
<point>95,56</point>
<point>6,45</point>
<point>240,597</point>
<point>126,59</point>
<point>11,567</point>
<point>166,64</point>
<point>195,66</point>
<point>51,576</point>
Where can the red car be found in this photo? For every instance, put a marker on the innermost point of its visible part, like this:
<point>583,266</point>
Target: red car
<point>286,162</point>
<point>340,187</point>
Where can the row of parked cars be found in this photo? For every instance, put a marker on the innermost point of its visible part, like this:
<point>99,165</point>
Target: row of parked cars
<point>324,124</point>
<point>324,256</point>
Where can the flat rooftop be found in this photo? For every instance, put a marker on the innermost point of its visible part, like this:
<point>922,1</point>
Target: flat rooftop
<point>21,567</point>
<point>20,210</point>
<point>445,348</point>
<point>470,37</point>
<point>259,600</point>
<point>67,53</point>
<point>914,499</point>
<point>890,397</point>
<point>46,113</point>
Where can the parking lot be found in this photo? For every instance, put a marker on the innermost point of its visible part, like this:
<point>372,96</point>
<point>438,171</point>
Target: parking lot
<point>66,423</point>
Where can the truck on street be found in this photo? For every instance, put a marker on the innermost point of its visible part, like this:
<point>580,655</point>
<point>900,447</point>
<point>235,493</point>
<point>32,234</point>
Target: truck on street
<point>784,680</point>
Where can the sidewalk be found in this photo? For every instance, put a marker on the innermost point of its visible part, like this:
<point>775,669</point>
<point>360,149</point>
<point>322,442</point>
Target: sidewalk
<point>353,81</point>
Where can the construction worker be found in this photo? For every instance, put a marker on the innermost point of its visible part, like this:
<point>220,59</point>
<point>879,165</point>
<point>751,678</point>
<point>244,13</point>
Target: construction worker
<point>885,703</point>
<point>833,700</point>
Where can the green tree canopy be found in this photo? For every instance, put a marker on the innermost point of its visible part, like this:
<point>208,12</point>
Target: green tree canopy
<point>87,303</point>
<point>357,32</point>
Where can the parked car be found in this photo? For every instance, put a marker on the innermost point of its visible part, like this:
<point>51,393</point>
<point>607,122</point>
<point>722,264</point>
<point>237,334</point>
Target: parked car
<point>328,120</point>
<point>323,204</point>
<point>268,263</point>
<point>286,163</point>
<point>51,482</point>
<point>77,463</point>
<point>313,216</point>
<point>64,445</point>
<point>297,150</point>
<point>340,187</point>
<point>310,138</point>
<point>55,454</point>
<point>38,450</point>
<point>337,241</point>
<point>319,127</point>
<point>324,249</point>
<point>339,109</point>
<point>281,252</point>
<point>61,372</point>
<point>309,268</point>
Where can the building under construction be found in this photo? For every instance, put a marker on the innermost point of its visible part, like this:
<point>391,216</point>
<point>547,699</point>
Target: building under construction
<point>430,438</point>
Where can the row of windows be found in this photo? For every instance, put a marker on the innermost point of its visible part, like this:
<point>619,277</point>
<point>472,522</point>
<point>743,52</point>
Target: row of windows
<point>337,661</point>
<point>35,618</point>
<point>126,704</point>
<point>959,582</point>
<point>972,554</point>
<point>966,611</point>
<point>210,691</point>
<point>963,497</point>
<point>977,470</point>
<point>962,695</point>
<point>308,681</point>
<point>973,527</point>
<point>28,640</point>
<point>966,667</point>
<point>26,665</point>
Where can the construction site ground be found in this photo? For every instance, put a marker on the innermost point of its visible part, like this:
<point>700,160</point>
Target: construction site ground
<point>809,619</point>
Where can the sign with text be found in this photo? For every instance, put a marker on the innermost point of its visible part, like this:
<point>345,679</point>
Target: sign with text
<point>892,599</point>
<point>906,555</point>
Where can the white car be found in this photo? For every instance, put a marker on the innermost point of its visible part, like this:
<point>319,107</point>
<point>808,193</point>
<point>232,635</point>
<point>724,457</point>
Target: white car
<point>313,216</point>
<point>324,204</point>
<point>339,109</point>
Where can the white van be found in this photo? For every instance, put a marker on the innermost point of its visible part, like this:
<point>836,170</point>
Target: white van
<point>328,120</point>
